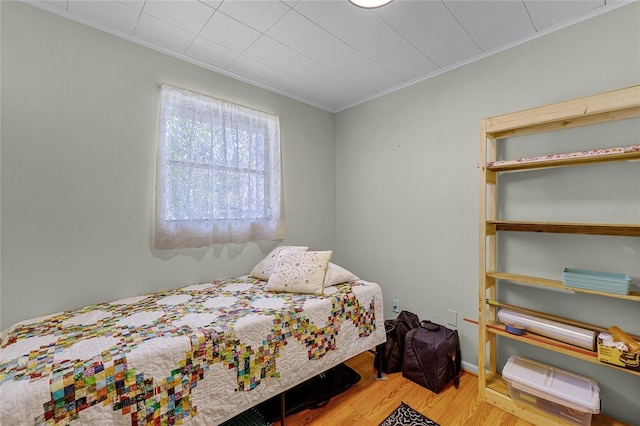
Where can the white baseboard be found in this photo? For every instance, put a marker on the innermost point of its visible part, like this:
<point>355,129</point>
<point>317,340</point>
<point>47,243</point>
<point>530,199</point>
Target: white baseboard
<point>471,368</point>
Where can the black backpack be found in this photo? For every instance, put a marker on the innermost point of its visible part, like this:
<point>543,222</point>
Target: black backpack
<point>432,356</point>
<point>393,349</point>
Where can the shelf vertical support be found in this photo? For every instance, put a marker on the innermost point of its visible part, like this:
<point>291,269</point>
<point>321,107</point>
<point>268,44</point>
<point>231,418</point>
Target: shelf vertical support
<point>487,254</point>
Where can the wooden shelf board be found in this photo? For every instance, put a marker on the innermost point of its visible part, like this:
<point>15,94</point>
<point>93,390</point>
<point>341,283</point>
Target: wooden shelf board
<point>562,162</point>
<point>583,108</point>
<point>544,342</point>
<point>568,123</point>
<point>628,230</point>
<point>530,414</point>
<point>554,345</point>
<point>557,285</point>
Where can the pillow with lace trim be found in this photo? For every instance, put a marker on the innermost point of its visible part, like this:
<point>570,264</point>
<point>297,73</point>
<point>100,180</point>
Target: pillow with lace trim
<point>300,272</point>
<point>264,268</point>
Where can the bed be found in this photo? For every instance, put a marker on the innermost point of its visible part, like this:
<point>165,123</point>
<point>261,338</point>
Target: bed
<point>194,355</point>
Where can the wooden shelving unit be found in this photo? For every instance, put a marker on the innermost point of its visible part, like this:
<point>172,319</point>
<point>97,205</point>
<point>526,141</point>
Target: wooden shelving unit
<point>602,108</point>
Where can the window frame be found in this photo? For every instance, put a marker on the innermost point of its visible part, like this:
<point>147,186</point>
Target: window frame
<point>241,145</point>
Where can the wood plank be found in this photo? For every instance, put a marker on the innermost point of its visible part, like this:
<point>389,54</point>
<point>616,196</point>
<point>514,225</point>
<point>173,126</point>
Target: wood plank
<point>370,401</point>
<point>605,117</point>
<point>564,162</point>
<point>485,177</point>
<point>557,285</point>
<point>628,230</point>
<point>556,346</point>
<point>583,107</point>
<point>546,343</point>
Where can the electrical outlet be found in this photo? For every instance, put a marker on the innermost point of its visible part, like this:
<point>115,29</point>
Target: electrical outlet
<point>396,305</point>
<point>452,318</point>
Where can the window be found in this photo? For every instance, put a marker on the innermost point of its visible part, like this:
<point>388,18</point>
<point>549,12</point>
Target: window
<point>218,172</point>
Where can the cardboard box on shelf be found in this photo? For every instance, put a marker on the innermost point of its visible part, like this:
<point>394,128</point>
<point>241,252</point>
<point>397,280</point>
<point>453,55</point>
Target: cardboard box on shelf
<point>610,352</point>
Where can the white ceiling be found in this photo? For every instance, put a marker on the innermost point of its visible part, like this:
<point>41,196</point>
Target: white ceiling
<point>328,53</point>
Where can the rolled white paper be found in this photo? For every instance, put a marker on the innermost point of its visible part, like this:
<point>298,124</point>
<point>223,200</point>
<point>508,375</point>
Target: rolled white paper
<point>566,333</point>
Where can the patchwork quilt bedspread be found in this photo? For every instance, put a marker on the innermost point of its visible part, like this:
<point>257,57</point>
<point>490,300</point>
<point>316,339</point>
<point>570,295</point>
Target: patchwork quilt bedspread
<point>195,355</point>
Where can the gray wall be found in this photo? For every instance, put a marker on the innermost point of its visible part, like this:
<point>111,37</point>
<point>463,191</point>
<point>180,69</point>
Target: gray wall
<point>79,113</point>
<point>399,174</point>
<point>408,192</point>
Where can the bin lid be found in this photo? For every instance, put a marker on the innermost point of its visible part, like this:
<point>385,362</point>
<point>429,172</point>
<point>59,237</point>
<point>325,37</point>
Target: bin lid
<point>563,387</point>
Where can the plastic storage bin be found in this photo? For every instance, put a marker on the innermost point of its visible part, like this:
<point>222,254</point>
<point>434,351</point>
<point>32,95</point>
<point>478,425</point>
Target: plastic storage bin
<point>562,394</point>
<point>594,280</point>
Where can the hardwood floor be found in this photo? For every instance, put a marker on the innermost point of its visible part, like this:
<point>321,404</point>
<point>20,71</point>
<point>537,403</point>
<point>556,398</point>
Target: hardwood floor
<point>370,401</point>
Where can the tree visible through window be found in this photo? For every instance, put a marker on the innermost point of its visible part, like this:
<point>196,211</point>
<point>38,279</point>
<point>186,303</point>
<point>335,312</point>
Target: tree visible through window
<point>218,172</point>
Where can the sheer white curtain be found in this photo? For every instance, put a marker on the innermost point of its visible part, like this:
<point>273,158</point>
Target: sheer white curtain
<point>218,172</point>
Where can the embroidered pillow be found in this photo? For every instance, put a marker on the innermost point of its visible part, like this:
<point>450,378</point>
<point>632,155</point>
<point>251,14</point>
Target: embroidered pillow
<point>264,268</point>
<point>338,275</point>
<point>300,272</point>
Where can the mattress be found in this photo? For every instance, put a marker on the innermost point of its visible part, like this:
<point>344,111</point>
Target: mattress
<point>196,355</point>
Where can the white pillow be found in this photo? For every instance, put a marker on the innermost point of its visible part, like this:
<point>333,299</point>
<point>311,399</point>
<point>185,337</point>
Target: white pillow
<point>300,272</point>
<point>264,268</point>
<point>338,275</point>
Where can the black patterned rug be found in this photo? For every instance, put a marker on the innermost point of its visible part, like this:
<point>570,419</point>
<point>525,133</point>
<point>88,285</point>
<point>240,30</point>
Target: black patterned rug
<point>405,415</point>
